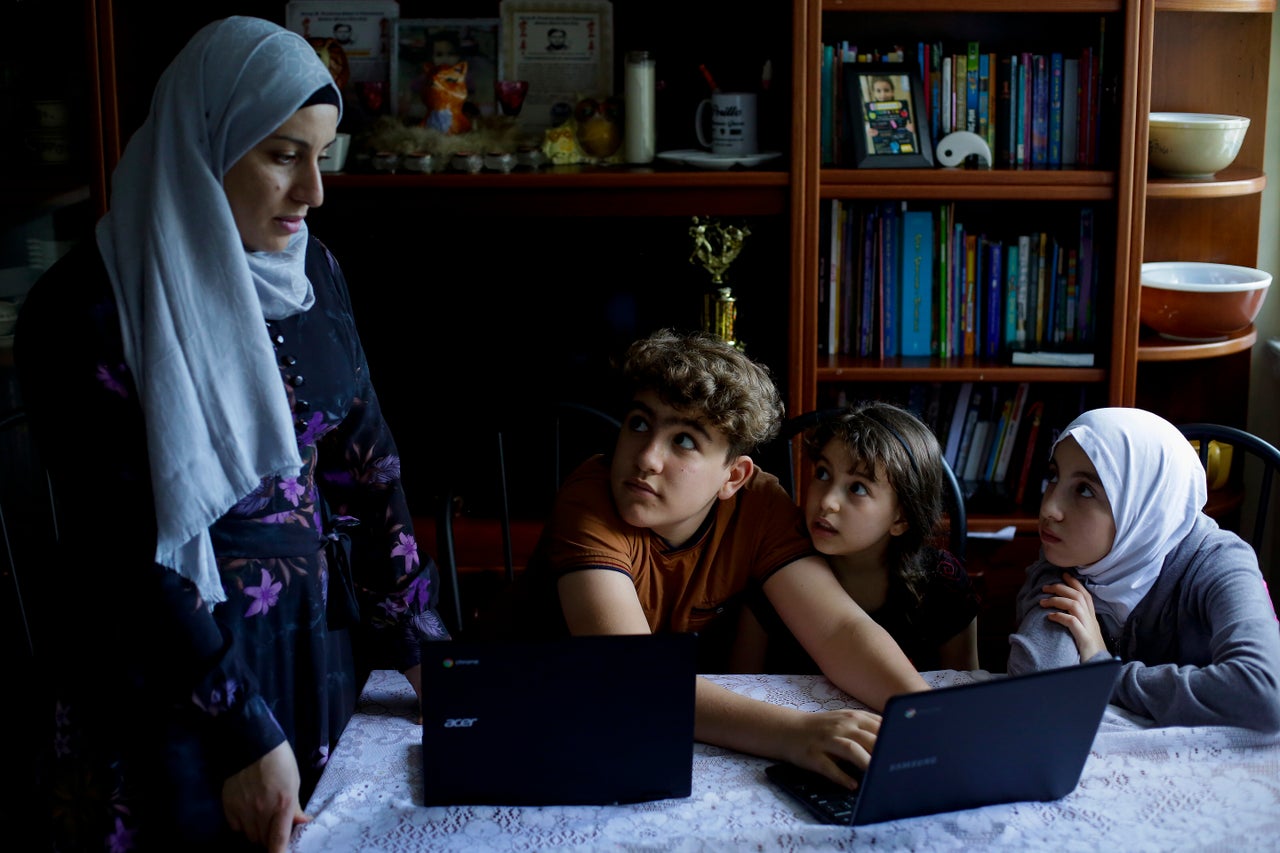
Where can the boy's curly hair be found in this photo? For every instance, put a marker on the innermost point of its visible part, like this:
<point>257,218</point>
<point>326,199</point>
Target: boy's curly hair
<point>703,375</point>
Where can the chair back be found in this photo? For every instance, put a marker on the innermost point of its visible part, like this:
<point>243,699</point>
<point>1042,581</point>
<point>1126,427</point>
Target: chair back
<point>1248,483</point>
<point>28,531</point>
<point>782,457</point>
<point>502,502</point>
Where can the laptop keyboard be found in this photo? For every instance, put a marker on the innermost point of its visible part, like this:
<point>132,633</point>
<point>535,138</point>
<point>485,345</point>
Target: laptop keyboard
<point>829,802</point>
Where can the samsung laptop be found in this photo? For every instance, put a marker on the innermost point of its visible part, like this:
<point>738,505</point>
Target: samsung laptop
<point>573,721</point>
<point>1010,739</point>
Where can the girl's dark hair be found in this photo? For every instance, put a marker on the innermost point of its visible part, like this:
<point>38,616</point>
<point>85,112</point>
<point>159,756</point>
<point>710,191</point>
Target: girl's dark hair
<point>878,433</point>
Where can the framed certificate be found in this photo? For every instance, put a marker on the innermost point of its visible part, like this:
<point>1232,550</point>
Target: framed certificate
<point>563,48</point>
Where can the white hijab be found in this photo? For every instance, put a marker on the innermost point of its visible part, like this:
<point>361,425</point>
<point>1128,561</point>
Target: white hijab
<point>191,299</point>
<point>1157,488</point>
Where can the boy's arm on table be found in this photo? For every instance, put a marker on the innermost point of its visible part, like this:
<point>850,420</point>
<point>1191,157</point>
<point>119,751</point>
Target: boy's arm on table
<point>603,601</point>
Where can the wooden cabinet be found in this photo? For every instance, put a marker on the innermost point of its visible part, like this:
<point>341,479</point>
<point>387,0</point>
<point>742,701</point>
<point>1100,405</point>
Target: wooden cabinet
<point>1201,57</point>
<point>478,294</point>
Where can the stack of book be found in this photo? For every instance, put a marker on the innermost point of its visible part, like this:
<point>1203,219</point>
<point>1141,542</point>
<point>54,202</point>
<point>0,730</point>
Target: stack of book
<point>920,281</point>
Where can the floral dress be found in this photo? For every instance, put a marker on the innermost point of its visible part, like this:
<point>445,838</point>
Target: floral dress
<point>154,699</point>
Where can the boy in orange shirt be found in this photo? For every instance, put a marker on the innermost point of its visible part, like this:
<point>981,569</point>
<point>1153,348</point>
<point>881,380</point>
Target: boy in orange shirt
<point>672,531</point>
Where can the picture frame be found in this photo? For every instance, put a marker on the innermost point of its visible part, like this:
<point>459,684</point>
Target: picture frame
<point>885,121</point>
<point>418,42</point>
<point>563,48</point>
<point>361,27</point>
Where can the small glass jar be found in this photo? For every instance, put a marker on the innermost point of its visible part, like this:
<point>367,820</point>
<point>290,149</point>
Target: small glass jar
<point>467,161</point>
<point>419,161</point>
<point>500,161</point>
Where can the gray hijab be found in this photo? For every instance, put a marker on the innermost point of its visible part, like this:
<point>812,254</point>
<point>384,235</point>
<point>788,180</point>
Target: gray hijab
<point>191,299</point>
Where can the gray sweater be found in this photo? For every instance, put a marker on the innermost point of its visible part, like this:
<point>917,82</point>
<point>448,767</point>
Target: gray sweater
<point>1202,647</point>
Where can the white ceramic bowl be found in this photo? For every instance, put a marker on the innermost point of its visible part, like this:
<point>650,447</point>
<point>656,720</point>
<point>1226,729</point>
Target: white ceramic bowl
<point>1193,145</point>
<point>1199,301</point>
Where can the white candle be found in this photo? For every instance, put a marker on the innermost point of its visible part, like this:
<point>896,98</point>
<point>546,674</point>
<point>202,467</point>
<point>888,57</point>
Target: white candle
<point>640,133</point>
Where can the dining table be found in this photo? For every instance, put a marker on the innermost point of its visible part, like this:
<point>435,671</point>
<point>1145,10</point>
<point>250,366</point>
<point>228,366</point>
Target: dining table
<point>1143,788</point>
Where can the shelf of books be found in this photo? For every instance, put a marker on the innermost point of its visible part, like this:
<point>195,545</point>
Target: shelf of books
<point>981,294</point>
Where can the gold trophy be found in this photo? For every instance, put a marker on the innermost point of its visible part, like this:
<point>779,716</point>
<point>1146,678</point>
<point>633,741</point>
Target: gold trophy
<point>715,246</point>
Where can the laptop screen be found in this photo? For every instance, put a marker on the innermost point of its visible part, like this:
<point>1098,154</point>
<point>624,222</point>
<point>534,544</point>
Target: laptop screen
<point>573,721</point>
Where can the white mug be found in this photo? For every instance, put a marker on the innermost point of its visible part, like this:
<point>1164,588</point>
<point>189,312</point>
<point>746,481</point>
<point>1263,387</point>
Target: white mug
<point>733,123</point>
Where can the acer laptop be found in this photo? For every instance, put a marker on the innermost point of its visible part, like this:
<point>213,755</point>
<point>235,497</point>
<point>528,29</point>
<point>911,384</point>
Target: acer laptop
<point>573,721</point>
<point>1010,739</point>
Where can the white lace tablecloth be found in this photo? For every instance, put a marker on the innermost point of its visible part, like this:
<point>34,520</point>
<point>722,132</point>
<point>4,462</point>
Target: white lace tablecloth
<point>1142,789</point>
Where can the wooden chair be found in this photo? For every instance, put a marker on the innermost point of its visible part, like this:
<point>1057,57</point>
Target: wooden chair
<point>779,459</point>
<point>1248,450</point>
<point>505,501</point>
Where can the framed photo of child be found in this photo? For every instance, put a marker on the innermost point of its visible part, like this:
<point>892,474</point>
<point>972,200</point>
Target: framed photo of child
<point>885,122</point>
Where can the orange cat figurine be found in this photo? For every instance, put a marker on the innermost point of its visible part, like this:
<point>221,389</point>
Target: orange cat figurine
<point>445,92</point>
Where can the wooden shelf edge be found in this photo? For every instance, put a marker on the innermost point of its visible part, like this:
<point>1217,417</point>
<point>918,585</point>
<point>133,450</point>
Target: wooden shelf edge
<point>565,178</point>
<point>969,6</point>
<point>1233,181</point>
<point>933,370</point>
<point>1215,5</point>
<point>969,184</point>
<point>1152,348</point>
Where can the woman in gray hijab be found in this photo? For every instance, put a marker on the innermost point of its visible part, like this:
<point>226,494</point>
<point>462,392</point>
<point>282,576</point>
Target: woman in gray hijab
<point>199,392</point>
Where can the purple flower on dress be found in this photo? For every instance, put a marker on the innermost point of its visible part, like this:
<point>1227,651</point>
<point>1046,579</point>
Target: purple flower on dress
<point>120,840</point>
<point>315,428</point>
<point>219,700</point>
<point>291,489</point>
<point>107,376</point>
<point>407,548</point>
<point>417,594</point>
<point>265,596</point>
<point>62,744</point>
<point>385,469</point>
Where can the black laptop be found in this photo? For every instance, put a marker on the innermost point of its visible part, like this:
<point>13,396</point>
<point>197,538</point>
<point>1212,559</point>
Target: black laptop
<point>1010,739</point>
<point>574,721</point>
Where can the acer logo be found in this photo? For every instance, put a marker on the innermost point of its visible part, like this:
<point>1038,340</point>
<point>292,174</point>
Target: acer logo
<point>460,722</point>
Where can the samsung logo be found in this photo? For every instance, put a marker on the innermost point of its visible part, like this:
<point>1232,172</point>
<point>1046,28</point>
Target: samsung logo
<point>913,764</point>
<point>460,722</point>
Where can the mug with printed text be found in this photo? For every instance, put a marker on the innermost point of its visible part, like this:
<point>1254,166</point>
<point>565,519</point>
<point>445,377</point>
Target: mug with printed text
<point>730,129</point>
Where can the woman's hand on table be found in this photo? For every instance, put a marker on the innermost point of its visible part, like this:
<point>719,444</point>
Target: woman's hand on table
<point>261,801</point>
<point>826,740</point>
<point>1072,608</point>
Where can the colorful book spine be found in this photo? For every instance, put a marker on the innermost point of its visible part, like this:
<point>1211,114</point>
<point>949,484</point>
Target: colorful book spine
<point>1010,323</point>
<point>850,244</point>
<point>995,299</point>
<point>1084,307</point>
<point>983,87</point>
<point>1055,108</point>
<point>889,228</point>
<point>972,61</point>
<point>1073,295</point>
<point>1001,129</point>
<point>916,278</point>
<point>1040,111</point>
<point>1024,110</point>
<point>993,94</point>
<point>970,294</point>
<point>833,276</point>
<point>942,300</point>
<point>1024,291</point>
<point>828,103</point>
<point>1011,434</point>
<point>1041,293</point>
<point>867,313</point>
<point>1070,111</point>
<point>948,97</point>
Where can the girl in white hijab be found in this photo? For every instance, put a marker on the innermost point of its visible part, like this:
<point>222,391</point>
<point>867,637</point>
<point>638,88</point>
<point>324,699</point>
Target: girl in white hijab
<point>1131,567</point>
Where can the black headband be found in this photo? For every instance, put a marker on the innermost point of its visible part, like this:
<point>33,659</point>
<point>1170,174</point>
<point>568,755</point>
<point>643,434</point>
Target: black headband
<point>910,456</point>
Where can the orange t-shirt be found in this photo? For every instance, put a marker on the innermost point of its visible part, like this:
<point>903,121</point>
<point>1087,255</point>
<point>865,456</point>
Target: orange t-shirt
<point>746,539</point>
